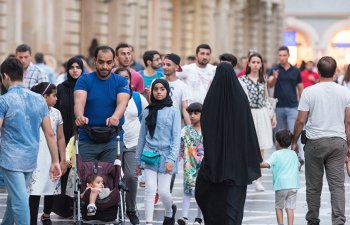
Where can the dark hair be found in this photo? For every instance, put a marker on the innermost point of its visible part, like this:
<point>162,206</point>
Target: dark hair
<point>91,178</point>
<point>283,48</point>
<point>284,138</point>
<point>13,68</point>
<point>93,46</point>
<point>261,70</point>
<point>347,75</point>
<point>23,48</point>
<point>194,107</point>
<point>229,58</point>
<point>148,55</point>
<point>327,66</point>
<point>44,88</point>
<point>191,57</point>
<point>104,48</point>
<point>121,69</point>
<point>205,46</point>
<point>121,45</point>
<point>39,57</point>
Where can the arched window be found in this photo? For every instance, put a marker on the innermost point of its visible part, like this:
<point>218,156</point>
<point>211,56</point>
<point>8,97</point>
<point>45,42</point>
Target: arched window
<point>340,47</point>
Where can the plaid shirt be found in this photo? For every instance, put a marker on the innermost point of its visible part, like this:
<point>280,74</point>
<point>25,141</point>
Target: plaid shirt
<point>34,75</point>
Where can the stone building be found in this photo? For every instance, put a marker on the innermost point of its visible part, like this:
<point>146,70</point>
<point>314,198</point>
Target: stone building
<point>318,28</point>
<point>64,28</point>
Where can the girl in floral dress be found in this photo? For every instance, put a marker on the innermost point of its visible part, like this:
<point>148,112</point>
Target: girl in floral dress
<point>192,153</point>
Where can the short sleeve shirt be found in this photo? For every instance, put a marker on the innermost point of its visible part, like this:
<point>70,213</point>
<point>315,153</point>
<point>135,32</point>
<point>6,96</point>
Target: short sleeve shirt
<point>285,88</point>
<point>34,75</point>
<point>326,103</point>
<point>285,169</point>
<point>179,93</point>
<point>256,92</point>
<point>22,112</point>
<point>101,99</point>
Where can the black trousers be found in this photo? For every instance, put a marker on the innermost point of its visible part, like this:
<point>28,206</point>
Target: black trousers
<point>220,203</point>
<point>34,201</point>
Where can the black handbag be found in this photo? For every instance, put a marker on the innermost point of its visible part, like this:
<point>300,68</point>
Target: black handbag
<point>101,134</point>
<point>303,138</point>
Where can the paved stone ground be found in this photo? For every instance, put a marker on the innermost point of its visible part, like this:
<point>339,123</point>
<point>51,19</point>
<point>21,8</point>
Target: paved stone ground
<point>259,207</point>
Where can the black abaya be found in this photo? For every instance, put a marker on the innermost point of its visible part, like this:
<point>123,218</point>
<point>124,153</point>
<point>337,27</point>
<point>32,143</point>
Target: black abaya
<point>232,153</point>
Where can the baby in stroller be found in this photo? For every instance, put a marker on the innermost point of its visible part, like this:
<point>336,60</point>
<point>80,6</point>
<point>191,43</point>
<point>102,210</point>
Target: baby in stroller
<point>97,190</point>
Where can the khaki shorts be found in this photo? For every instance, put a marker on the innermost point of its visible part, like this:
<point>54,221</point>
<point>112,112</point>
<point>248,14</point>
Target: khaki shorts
<point>286,198</point>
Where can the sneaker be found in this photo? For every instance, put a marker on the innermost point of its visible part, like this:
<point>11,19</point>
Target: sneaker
<point>156,198</point>
<point>134,220</point>
<point>182,221</point>
<point>91,210</point>
<point>170,220</point>
<point>259,186</point>
<point>198,221</point>
<point>45,220</point>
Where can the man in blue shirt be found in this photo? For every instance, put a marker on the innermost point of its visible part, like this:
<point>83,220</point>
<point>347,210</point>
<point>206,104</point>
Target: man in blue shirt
<point>286,79</point>
<point>22,112</point>
<point>100,100</point>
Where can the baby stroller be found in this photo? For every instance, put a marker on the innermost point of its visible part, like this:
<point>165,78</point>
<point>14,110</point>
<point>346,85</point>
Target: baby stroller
<point>108,209</point>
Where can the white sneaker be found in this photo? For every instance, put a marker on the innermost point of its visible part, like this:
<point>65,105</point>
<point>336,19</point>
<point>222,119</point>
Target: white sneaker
<point>182,221</point>
<point>259,187</point>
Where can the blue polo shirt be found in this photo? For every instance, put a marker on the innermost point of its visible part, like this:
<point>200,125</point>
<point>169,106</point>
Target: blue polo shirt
<point>101,99</point>
<point>285,88</point>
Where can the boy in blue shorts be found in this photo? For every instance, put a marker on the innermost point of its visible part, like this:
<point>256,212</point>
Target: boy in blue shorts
<point>285,170</point>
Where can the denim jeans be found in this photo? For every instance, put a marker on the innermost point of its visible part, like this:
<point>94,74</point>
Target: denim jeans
<point>17,209</point>
<point>286,117</point>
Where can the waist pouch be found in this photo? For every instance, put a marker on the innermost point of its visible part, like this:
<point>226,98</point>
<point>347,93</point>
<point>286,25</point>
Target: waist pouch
<point>150,157</point>
<point>100,134</point>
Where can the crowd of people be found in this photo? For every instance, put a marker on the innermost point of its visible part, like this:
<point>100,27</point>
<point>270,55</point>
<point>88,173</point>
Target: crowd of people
<point>217,119</point>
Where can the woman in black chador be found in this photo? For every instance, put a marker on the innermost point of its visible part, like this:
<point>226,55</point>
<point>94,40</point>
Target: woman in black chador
<point>232,154</point>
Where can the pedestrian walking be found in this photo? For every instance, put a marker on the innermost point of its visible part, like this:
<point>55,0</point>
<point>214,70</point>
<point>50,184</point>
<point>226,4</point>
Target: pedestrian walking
<point>232,155</point>
<point>158,148</point>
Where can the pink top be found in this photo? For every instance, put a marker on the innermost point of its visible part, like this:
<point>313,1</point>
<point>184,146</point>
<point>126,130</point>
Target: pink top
<point>136,80</point>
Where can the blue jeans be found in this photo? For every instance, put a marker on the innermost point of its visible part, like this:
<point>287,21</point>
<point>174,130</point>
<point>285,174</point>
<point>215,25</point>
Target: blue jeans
<point>17,209</point>
<point>286,117</point>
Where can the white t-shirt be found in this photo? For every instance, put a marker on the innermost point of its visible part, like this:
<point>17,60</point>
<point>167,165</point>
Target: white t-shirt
<point>198,80</point>
<point>340,81</point>
<point>132,123</point>
<point>179,93</point>
<point>326,103</point>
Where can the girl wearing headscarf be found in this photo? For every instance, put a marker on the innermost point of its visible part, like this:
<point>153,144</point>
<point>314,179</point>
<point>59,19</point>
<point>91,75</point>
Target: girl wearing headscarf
<point>63,204</point>
<point>232,154</point>
<point>160,138</point>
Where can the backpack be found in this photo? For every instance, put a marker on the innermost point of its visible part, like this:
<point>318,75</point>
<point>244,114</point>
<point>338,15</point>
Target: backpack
<point>137,99</point>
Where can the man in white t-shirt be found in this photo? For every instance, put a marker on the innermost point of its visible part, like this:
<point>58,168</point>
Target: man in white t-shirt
<point>325,108</point>
<point>199,75</point>
<point>179,90</point>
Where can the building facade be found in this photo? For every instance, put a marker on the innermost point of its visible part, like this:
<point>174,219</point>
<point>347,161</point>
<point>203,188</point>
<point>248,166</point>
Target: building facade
<point>316,28</point>
<point>66,27</point>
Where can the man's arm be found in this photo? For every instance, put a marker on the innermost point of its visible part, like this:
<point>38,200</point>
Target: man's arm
<point>79,106</point>
<point>1,122</point>
<point>122,103</point>
<point>347,128</point>
<point>271,81</point>
<point>55,170</point>
<point>186,116</point>
<point>264,165</point>
<point>298,126</point>
<point>300,89</point>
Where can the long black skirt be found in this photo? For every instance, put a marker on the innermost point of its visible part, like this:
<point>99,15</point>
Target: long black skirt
<point>220,203</point>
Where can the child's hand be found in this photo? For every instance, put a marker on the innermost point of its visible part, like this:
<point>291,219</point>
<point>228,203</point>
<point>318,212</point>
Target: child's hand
<point>169,167</point>
<point>69,164</point>
<point>138,171</point>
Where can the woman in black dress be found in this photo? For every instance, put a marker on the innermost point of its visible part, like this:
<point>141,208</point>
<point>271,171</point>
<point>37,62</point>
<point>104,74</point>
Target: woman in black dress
<point>232,154</point>
<point>63,204</point>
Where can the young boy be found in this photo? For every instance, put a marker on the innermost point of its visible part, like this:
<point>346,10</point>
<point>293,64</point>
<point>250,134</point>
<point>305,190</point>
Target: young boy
<point>192,153</point>
<point>95,183</point>
<point>285,169</point>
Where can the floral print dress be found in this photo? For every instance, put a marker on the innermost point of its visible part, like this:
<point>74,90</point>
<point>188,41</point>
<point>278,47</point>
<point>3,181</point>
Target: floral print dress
<point>192,153</point>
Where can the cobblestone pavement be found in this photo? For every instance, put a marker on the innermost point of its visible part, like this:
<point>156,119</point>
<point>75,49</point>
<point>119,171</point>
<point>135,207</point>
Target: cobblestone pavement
<point>259,207</point>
